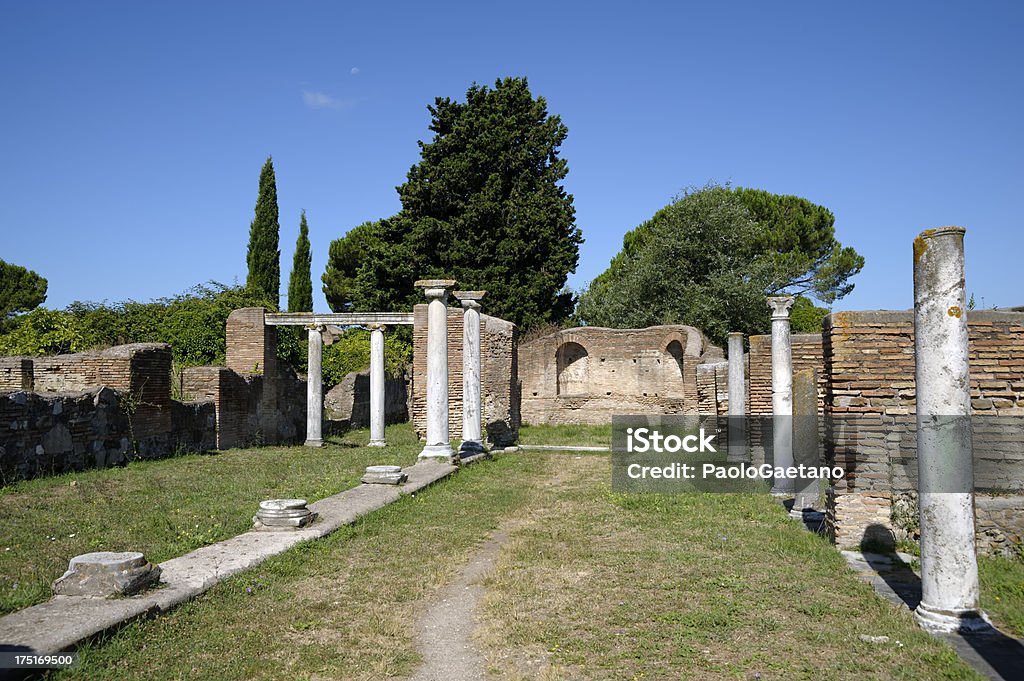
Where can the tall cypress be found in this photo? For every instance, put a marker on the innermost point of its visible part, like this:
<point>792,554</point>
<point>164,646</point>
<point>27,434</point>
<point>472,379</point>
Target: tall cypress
<point>264,255</point>
<point>300,283</point>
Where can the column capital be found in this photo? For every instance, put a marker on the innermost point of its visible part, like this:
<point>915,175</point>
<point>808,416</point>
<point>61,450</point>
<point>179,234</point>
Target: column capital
<point>734,334</point>
<point>780,306</point>
<point>436,289</point>
<point>470,299</point>
<point>377,327</point>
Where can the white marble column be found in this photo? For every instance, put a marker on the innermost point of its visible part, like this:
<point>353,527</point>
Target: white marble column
<point>472,438</point>
<point>737,399</point>
<point>377,386</point>
<point>438,445</point>
<point>782,391</point>
<point>949,565</point>
<point>315,389</point>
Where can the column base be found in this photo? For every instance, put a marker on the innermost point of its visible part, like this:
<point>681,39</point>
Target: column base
<point>939,621</point>
<point>440,452</point>
<point>377,443</point>
<point>314,443</point>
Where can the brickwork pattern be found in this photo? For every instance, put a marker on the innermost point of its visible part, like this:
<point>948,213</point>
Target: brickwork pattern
<point>499,399</point>
<point>587,374</point>
<point>870,393</point>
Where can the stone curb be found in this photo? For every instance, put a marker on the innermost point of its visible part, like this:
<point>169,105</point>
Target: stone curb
<point>64,621</point>
<point>567,448</point>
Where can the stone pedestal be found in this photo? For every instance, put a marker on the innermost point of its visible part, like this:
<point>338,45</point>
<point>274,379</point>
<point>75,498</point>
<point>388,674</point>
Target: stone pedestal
<point>315,389</point>
<point>737,400</point>
<point>438,445</point>
<point>782,391</point>
<point>949,566</point>
<point>377,386</point>
<point>384,475</point>
<point>282,514</point>
<point>472,438</point>
<point>106,573</point>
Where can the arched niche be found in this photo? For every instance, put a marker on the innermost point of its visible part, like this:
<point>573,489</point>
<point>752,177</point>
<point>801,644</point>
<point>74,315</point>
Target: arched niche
<point>573,364</point>
<point>675,351</point>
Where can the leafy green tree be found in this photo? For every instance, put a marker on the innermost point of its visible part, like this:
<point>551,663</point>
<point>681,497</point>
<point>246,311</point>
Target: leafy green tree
<point>264,255</point>
<point>483,206</point>
<point>805,316</point>
<point>21,290</point>
<point>351,352</point>
<point>695,262</point>
<point>801,242</point>
<point>711,257</point>
<point>344,259</point>
<point>300,283</point>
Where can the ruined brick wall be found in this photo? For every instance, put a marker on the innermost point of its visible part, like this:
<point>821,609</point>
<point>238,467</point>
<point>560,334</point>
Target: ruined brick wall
<point>587,374</point>
<point>48,434</point>
<point>499,403</point>
<point>807,354</point>
<point>713,388</point>
<point>16,373</point>
<point>870,393</point>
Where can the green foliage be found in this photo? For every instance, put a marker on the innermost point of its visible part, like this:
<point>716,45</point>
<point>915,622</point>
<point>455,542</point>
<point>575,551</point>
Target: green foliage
<point>43,332</point>
<point>710,257</point>
<point>300,283</point>
<point>483,206</point>
<point>805,316</point>
<point>21,290</point>
<point>800,242</point>
<point>351,352</point>
<point>264,255</point>
<point>192,323</point>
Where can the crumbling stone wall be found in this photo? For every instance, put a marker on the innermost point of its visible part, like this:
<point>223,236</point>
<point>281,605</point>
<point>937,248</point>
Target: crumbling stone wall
<point>348,403</point>
<point>870,395</point>
<point>587,374</point>
<point>499,381</point>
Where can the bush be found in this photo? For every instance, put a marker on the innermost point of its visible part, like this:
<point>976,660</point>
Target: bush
<point>351,352</point>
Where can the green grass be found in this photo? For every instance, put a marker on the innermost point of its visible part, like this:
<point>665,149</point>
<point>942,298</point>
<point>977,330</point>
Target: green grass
<point>601,585</point>
<point>1002,592</point>
<point>166,508</point>
<point>567,434</point>
<point>344,607</point>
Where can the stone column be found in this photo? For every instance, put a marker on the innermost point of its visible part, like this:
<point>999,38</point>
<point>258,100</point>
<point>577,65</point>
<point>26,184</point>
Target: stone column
<point>782,391</point>
<point>472,439</point>
<point>949,566</point>
<point>805,440</point>
<point>737,399</point>
<point>315,389</point>
<point>377,386</point>
<point>438,445</point>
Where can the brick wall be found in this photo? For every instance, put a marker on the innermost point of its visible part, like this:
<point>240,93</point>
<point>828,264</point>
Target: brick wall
<point>499,399</point>
<point>16,373</point>
<point>807,354</point>
<point>587,374</point>
<point>871,399</point>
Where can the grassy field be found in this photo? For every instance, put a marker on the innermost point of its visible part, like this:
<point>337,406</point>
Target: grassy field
<point>567,434</point>
<point>166,508</point>
<point>1002,592</point>
<point>592,585</point>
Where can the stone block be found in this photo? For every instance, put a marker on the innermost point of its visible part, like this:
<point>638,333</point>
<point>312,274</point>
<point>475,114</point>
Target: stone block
<point>107,573</point>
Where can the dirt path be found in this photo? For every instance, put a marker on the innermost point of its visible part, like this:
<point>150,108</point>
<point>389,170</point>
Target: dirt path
<point>445,631</point>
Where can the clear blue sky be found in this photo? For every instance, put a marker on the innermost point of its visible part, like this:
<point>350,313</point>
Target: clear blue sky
<point>132,133</point>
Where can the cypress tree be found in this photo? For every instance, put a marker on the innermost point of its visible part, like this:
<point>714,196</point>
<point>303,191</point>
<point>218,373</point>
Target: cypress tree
<point>300,283</point>
<point>264,255</point>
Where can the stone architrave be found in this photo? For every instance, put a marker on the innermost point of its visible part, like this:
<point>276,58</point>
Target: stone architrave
<point>949,565</point>
<point>315,388</point>
<point>805,439</point>
<point>782,391</point>
<point>472,437</point>
<point>438,446</point>
<point>377,386</point>
<point>737,400</point>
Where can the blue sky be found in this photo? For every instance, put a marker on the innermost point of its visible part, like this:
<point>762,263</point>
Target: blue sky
<point>132,134</point>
